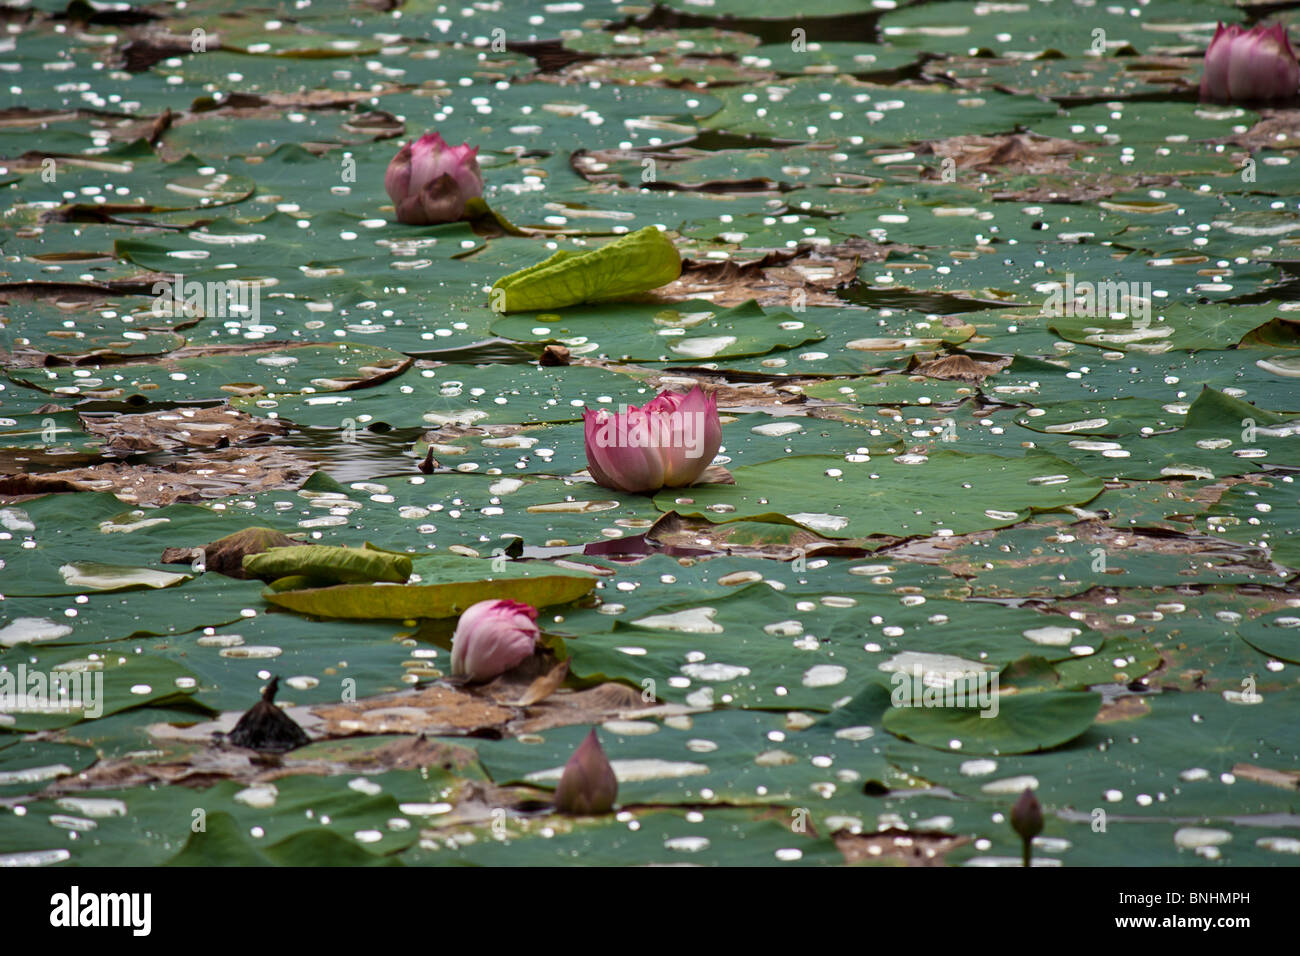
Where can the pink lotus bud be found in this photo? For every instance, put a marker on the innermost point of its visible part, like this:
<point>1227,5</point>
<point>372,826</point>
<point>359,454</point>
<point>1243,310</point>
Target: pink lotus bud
<point>588,785</point>
<point>1244,66</point>
<point>667,443</point>
<point>430,182</point>
<point>492,637</point>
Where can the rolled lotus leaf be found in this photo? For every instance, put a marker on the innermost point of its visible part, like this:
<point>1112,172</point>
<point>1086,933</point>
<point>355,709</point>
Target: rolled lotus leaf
<point>329,564</point>
<point>636,263</point>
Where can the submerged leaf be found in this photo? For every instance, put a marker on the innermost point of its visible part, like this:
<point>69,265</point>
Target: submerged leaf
<point>94,576</point>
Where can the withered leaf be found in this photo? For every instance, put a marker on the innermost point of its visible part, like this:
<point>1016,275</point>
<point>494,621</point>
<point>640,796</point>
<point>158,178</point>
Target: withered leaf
<point>226,555</point>
<point>266,728</point>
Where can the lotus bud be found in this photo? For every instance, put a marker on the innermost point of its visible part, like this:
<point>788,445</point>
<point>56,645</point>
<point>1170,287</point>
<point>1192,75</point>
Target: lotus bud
<point>491,638</point>
<point>431,182</point>
<point>668,443</point>
<point>1027,820</point>
<point>1246,66</point>
<point>588,785</point>
<point>266,727</point>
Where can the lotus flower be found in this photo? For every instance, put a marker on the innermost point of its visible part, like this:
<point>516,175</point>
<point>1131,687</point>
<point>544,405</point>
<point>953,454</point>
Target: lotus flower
<point>1250,65</point>
<point>492,637</point>
<point>431,182</point>
<point>665,444</point>
<point>588,785</point>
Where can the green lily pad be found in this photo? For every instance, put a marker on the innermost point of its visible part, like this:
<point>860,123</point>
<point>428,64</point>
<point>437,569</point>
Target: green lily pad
<point>292,369</point>
<point>689,332</point>
<point>944,491</point>
<point>1023,723</point>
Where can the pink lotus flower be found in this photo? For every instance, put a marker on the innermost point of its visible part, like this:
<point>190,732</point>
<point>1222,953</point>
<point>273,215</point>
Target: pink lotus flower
<point>667,443</point>
<point>492,637</point>
<point>1243,66</point>
<point>431,182</point>
<point>588,785</point>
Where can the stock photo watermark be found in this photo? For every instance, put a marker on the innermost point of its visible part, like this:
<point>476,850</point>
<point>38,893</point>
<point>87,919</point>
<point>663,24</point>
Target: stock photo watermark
<point>76,909</point>
<point>222,299</point>
<point>31,691</point>
<point>960,689</point>
<point>1105,299</point>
